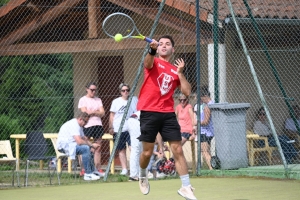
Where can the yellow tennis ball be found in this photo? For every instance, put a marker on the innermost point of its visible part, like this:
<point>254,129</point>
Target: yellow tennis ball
<point>118,37</point>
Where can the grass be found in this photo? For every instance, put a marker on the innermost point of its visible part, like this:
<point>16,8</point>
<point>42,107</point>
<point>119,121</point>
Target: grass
<point>206,188</point>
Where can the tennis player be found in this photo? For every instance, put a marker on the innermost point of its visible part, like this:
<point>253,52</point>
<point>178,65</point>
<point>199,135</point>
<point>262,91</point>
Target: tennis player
<point>156,103</point>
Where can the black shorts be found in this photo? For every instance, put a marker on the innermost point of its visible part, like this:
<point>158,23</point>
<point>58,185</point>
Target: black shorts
<point>204,138</point>
<point>124,137</point>
<point>164,123</point>
<point>93,131</point>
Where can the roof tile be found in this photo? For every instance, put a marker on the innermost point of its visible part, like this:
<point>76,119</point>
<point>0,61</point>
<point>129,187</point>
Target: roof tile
<point>263,8</point>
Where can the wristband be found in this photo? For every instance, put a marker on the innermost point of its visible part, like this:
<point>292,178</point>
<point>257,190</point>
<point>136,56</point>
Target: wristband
<point>152,52</point>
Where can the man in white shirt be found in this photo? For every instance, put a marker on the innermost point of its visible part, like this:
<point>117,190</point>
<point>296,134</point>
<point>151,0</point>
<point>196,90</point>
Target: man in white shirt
<point>72,142</point>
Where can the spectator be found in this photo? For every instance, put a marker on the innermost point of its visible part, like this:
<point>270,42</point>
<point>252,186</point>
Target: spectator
<point>291,129</point>
<point>195,117</point>
<point>136,146</point>
<point>262,128</point>
<point>184,113</point>
<point>117,109</point>
<point>207,129</point>
<point>92,105</point>
<point>72,141</point>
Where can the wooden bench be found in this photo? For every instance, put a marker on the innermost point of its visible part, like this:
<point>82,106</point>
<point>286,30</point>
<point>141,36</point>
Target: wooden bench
<point>19,137</point>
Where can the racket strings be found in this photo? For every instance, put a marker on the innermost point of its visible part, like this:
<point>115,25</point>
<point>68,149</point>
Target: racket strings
<point>119,24</point>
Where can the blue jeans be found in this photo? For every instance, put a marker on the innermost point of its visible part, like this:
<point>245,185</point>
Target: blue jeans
<point>288,149</point>
<point>84,151</point>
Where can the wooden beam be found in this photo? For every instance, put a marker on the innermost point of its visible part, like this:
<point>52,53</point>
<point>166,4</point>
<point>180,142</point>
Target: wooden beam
<point>165,19</point>
<point>188,7</point>
<point>12,4</point>
<point>38,22</point>
<point>92,16</point>
<point>87,46</point>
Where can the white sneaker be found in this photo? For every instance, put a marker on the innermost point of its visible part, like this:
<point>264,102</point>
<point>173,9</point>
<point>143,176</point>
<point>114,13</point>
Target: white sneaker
<point>90,177</point>
<point>160,175</point>
<point>100,174</point>
<point>124,172</point>
<point>187,192</point>
<point>150,175</point>
<point>144,185</point>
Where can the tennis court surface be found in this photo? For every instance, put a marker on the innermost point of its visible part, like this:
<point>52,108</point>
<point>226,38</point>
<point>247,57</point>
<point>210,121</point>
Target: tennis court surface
<point>206,188</point>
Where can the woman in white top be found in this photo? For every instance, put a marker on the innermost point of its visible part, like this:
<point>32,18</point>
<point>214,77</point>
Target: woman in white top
<point>92,105</point>
<point>117,110</point>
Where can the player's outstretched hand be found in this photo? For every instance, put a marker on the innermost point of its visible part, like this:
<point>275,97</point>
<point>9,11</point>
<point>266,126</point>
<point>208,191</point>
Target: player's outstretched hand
<point>154,44</point>
<point>179,63</point>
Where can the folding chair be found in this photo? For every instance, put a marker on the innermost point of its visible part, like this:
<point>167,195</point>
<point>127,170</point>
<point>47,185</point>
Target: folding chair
<point>59,156</point>
<point>36,148</point>
<point>5,149</point>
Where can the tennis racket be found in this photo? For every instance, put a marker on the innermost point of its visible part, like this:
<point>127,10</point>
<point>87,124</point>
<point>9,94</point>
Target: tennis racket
<point>121,26</point>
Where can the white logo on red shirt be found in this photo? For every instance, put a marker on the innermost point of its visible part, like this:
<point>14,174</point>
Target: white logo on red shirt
<point>173,71</point>
<point>161,66</point>
<point>165,83</point>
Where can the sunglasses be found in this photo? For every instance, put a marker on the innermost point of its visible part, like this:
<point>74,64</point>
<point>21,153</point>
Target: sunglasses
<point>93,90</point>
<point>182,100</point>
<point>126,90</point>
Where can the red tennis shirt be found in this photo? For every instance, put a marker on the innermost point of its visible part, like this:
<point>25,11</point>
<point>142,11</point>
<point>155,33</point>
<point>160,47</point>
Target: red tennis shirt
<point>157,91</point>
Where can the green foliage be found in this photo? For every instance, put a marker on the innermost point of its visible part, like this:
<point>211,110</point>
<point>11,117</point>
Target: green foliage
<point>3,2</point>
<point>9,126</point>
<point>37,91</point>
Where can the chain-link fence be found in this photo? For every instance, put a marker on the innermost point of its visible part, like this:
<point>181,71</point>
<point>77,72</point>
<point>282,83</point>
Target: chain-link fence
<point>51,50</point>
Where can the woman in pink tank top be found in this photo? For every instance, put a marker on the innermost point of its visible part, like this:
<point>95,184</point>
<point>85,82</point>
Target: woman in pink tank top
<point>184,113</point>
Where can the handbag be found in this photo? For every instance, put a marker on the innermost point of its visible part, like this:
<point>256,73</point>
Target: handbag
<point>215,162</point>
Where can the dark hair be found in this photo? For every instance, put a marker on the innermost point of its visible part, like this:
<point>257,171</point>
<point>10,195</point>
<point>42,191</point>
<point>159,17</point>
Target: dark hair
<point>295,107</point>
<point>204,91</point>
<point>260,110</point>
<point>168,37</point>
<point>89,84</point>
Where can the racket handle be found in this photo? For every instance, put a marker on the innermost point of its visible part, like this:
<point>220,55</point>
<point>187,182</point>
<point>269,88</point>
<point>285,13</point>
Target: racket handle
<point>149,40</point>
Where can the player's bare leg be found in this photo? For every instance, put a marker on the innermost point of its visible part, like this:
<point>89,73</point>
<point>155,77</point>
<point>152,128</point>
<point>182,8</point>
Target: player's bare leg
<point>144,160</point>
<point>186,190</point>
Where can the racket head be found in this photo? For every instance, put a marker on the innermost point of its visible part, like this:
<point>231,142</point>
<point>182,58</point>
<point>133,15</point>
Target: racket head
<point>119,23</point>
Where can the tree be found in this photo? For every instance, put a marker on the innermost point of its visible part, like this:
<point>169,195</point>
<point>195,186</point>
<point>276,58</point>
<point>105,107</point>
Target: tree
<point>3,2</point>
<point>36,91</point>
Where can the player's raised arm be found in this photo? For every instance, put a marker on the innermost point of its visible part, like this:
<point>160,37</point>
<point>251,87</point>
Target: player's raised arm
<point>185,86</point>
<point>149,59</point>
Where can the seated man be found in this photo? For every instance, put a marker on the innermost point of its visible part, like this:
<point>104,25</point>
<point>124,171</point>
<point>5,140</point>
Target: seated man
<point>71,141</point>
<point>262,128</point>
<point>291,129</point>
